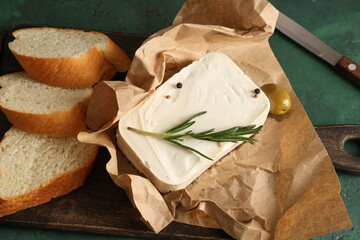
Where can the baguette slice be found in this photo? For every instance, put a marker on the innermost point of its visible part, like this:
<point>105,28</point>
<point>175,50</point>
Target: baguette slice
<point>34,168</point>
<point>67,58</point>
<point>39,108</point>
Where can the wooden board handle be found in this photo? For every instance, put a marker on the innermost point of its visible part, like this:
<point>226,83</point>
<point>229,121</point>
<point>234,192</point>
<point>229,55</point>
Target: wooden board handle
<point>349,69</point>
<point>334,138</point>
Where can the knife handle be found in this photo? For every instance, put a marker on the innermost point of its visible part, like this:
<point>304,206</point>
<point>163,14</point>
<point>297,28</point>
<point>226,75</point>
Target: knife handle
<point>349,69</point>
<point>334,139</point>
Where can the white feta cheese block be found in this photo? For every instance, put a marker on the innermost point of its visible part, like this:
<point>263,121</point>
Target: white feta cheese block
<point>214,84</point>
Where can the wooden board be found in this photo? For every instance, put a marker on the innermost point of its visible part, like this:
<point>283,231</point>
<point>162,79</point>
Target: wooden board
<point>99,206</point>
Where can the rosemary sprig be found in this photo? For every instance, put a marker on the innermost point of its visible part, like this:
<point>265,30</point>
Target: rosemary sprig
<point>233,134</point>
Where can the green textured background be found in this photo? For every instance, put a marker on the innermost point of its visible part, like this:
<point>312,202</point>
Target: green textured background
<point>327,97</point>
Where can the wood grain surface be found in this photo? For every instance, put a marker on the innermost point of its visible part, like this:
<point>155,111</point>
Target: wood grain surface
<point>100,206</point>
<point>334,139</point>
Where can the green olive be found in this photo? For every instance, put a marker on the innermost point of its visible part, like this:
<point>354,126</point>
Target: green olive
<point>280,101</point>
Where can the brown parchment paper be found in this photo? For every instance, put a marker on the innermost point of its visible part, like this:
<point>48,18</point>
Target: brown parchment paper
<point>283,187</point>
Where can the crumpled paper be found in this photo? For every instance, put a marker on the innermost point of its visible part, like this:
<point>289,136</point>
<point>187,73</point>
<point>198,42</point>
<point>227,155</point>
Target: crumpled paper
<point>283,187</point>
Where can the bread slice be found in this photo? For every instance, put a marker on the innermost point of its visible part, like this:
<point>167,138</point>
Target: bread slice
<point>34,168</point>
<point>67,58</point>
<point>38,108</point>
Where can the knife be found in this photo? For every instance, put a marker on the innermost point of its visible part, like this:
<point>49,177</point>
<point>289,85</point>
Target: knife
<point>343,64</point>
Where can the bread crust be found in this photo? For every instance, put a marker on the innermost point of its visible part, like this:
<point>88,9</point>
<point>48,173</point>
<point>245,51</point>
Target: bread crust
<point>59,186</point>
<point>75,72</point>
<point>57,124</point>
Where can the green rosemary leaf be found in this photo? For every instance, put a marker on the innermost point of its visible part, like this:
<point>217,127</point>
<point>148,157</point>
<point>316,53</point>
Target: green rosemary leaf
<point>185,124</point>
<point>203,133</point>
<point>233,134</point>
<point>189,148</point>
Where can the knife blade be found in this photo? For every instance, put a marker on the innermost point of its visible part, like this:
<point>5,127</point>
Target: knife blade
<point>299,34</point>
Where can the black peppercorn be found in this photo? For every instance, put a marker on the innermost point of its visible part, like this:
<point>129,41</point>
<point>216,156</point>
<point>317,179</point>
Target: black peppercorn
<point>257,90</point>
<point>179,85</point>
